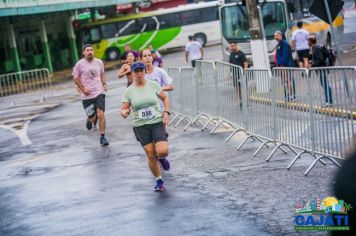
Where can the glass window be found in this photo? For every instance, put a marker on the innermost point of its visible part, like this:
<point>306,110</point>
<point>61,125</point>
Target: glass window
<point>108,30</point>
<point>148,24</point>
<point>191,17</point>
<point>127,28</point>
<point>234,23</point>
<point>273,18</point>
<point>94,35</point>
<point>209,14</point>
<point>168,21</point>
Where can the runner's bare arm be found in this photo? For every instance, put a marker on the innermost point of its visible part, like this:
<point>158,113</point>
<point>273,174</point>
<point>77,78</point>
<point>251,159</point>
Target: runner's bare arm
<point>186,56</point>
<point>202,53</point>
<point>80,86</point>
<point>168,87</point>
<point>124,70</point>
<point>125,109</point>
<point>103,81</point>
<point>166,107</point>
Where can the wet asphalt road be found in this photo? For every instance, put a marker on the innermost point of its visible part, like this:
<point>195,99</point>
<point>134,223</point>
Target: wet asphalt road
<point>65,183</point>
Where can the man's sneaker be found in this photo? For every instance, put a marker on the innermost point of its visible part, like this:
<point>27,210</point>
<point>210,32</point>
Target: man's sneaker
<point>89,125</point>
<point>159,185</point>
<point>103,141</point>
<point>164,163</point>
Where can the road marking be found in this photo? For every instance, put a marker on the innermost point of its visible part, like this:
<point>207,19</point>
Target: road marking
<point>21,133</point>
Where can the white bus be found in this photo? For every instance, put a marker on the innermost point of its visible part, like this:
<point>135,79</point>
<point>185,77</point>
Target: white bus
<point>163,29</point>
<point>279,15</point>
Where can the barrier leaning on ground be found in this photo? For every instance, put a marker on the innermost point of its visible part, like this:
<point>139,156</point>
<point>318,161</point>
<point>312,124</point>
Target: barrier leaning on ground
<point>303,111</point>
<point>26,86</point>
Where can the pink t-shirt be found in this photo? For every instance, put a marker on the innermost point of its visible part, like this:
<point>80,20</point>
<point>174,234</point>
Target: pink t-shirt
<point>89,75</point>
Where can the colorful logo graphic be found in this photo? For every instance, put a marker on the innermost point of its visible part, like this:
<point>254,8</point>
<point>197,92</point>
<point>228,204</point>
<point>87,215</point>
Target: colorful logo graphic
<point>327,214</point>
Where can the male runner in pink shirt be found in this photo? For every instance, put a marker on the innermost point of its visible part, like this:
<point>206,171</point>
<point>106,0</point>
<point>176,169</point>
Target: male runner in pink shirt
<point>89,76</point>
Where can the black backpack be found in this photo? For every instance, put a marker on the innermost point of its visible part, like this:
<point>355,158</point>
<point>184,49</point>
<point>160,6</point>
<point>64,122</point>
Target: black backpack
<point>329,56</point>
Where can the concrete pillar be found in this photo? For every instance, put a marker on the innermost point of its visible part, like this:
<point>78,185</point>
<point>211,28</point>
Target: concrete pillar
<point>72,41</point>
<point>13,48</point>
<point>45,47</point>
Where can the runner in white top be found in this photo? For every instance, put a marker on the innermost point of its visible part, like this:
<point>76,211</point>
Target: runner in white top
<point>193,50</point>
<point>155,73</point>
<point>300,44</point>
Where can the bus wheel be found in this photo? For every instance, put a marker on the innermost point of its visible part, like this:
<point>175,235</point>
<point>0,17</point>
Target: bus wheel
<point>112,54</point>
<point>328,42</point>
<point>201,38</point>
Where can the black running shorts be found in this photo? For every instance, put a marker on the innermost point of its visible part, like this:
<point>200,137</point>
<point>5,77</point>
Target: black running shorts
<point>151,133</point>
<point>90,105</point>
<point>303,54</point>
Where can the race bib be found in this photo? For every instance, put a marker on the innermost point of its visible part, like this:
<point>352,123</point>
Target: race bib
<point>90,110</point>
<point>147,113</point>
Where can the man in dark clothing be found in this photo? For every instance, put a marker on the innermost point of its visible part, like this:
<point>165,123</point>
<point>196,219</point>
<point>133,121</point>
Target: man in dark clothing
<point>284,59</point>
<point>237,57</point>
<point>318,60</point>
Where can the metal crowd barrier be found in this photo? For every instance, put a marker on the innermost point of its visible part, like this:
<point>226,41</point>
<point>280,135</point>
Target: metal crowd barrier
<point>332,110</point>
<point>25,86</point>
<point>306,111</point>
<point>229,90</point>
<point>175,95</point>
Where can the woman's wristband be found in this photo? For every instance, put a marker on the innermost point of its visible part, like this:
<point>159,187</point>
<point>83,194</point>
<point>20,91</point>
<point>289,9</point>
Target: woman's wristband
<point>167,112</point>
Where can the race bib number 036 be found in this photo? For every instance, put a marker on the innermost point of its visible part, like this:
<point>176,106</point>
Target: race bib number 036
<point>146,113</point>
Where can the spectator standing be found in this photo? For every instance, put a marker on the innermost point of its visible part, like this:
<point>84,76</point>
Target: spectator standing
<point>300,44</point>
<point>284,59</point>
<point>237,57</point>
<point>193,51</point>
<point>318,60</point>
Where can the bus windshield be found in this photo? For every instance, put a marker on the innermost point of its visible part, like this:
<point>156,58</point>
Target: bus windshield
<point>234,21</point>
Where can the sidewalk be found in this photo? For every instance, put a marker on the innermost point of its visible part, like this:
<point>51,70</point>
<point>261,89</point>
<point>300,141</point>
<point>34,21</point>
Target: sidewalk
<point>66,183</point>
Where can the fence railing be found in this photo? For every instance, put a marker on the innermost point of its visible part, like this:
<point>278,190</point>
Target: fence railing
<point>303,111</point>
<point>25,86</point>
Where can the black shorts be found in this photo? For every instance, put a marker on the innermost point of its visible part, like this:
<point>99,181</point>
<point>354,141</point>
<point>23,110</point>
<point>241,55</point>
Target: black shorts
<point>90,105</point>
<point>147,134</point>
<point>194,62</point>
<point>303,54</point>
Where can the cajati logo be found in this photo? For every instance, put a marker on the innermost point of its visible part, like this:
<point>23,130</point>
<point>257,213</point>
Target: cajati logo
<point>327,214</point>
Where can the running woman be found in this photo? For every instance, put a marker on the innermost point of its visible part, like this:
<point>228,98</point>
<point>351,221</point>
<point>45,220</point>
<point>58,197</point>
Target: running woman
<point>126,68</point>
<point>149,122</point>
<point>89,76</point>
<point>155,73</point>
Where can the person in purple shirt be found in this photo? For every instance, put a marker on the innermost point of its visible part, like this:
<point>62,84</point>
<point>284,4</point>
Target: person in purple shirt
<point>157,61</point>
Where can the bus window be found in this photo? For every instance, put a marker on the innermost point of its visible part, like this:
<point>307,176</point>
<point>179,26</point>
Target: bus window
<point>108,30</point>
<point>209,14</point>
<point>235,23</point>
<point>168,21</point>
<point>91,35</point>
<point>95,35</point>
<point>127,28</point>
<point>273,18</point>
<point>191,17</point>
<point>148,24</point>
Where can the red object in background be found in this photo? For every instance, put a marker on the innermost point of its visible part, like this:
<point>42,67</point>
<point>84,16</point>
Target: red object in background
<point>75,24</point>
